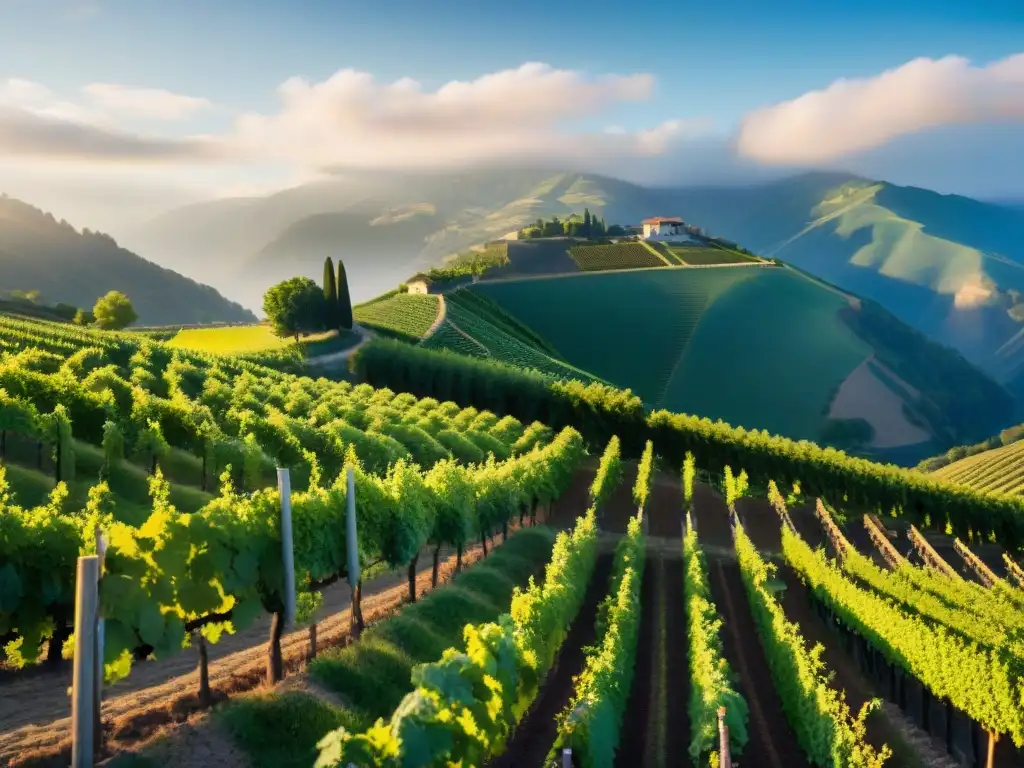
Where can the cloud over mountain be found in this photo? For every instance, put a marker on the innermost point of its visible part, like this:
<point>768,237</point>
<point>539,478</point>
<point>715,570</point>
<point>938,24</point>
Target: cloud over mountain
<point>850,116</point>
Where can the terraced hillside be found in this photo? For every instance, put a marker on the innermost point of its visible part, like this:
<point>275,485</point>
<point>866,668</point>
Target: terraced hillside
<point>999,470</point>
<point>701,255</point>
<point>474,325</point>
<point>595,258</point>
<point>701,340</point>
<point>549,256</point>
<point>406,316</point>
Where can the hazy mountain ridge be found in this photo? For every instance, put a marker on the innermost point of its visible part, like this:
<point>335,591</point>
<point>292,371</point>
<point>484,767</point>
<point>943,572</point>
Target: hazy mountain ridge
<point>38,252</point>
<point>945,264</point>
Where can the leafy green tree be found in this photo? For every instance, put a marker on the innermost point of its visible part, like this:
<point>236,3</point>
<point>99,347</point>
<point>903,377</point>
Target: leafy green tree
<point>295,306</point>
<point>114,312</point>
<point>331,295</point>
<point>344,299</point>
<point>84,317</point>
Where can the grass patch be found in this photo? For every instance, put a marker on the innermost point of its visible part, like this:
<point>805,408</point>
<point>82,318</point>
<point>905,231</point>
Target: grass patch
<point>246,339</point>
<point>281,730</point>
<point>374,674</point>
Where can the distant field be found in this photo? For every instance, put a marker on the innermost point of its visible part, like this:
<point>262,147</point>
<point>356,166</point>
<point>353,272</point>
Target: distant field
<point>998,470</point>
<point>698,255</point>
<point>248,339</point>
<point>225,341</point>
<point>724,343</point>
<point>405,316</point>
<point>594,258</point>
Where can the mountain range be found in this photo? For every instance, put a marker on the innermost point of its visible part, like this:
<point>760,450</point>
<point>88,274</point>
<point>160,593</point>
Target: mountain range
<point>40,253</point>
<point>949,266</point>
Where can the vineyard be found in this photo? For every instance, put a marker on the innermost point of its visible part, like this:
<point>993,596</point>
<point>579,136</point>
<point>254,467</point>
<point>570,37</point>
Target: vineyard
<point>544,568</point>
<point>999,470</point>
<point>406,316</point>
<point>477,327</point>
<point>596,258</point>
<point>700,255</point>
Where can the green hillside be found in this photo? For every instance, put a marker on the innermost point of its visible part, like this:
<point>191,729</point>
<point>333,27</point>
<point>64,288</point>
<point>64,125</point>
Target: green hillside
<point>999,470</point>
<point>948,266</point>
<point>38,252</point>
<point>406,316</point>
<point>476,326</point>
<point>733,343</point>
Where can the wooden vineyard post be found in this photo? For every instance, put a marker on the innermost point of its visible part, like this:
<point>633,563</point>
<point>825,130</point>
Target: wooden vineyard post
<point>877,533</point>
<point>286,616</point>
<point>927,552</point>
<point>724,755</point>
<point>284,486</point>
<point>83,700</point>
<point>352,564</point>
<point>1014,570</point>
<point>972,561</point>
<point>101,553</point>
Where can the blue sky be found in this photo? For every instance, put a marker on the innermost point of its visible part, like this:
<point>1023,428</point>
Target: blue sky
<point>722,59</point>
<point>714,62</point>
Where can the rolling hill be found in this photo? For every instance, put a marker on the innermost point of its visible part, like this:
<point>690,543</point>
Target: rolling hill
<point>37,252</point>
<point>949,266</point>
<point>760,346</point>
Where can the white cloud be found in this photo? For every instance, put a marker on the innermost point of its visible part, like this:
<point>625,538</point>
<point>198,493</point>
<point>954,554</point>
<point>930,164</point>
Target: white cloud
<point>352,120</point>
<point>147,103</point>
<point>851,116</point>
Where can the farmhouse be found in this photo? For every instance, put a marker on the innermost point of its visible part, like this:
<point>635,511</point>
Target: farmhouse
<point>419,284</point>
<point>661,228</point>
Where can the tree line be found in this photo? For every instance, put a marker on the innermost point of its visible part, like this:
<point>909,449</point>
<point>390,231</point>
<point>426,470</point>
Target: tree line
<point>599,411</point>
<point>588,226</point>
<point>111,312</point>
<point>300,306</point>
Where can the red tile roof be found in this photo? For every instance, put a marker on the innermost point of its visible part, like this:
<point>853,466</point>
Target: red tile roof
<point>662,220</point>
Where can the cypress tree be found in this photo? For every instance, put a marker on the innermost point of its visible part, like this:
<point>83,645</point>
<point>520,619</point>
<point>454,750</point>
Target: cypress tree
<point>331,295</point>
<point>344,300</point>
<point>586,222</point>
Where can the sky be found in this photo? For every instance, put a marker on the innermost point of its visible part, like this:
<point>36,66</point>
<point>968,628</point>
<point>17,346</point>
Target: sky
<point>112,111</point>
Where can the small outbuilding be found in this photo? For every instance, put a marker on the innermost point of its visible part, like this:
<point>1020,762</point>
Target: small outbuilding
<point>418,284</point>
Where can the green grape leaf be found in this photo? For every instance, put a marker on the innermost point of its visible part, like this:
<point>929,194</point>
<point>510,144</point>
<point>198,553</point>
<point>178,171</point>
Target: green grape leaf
<point>119,595</point>
<point>245,611</point>
<point>117,669</point>
<point>198,598</point>
<point>151,624</point>
<point>11,589</point>
<point>117,638</point>
<point>173,639</point>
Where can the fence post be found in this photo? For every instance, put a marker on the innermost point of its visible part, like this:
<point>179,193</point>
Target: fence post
<point>284,487</point>
<point>567,757</point>
<point>351,537</point>
<point>725,757</point>
<point>83,692</point>
<point>101,553</point>
<point>352,561</point>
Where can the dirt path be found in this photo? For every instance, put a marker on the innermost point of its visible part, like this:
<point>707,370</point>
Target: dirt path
<point>656,728</point>
<point>772,742</point>
<point>328,360</point>
<point>536,732</point>
<point>442,313</point>
<point>35,710</point>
